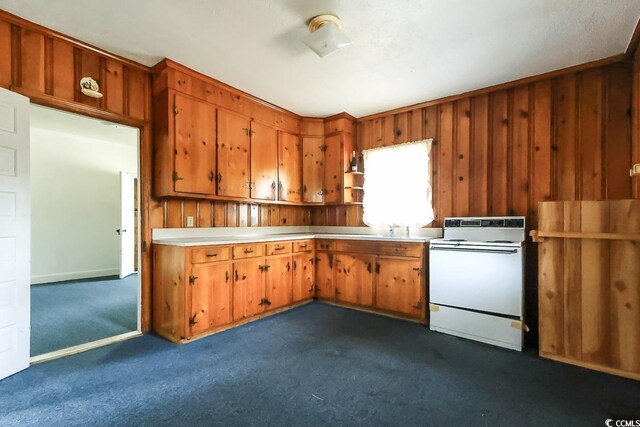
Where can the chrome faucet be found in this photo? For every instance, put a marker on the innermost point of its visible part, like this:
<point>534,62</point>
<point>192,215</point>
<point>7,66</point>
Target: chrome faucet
<point>392,231</point>
<point>406,233</point>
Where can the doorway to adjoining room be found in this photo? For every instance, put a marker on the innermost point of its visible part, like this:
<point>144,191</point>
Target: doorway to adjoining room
<point>84,230</point>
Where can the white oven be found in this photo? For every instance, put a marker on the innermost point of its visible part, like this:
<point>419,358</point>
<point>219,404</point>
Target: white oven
<point>476,280</point>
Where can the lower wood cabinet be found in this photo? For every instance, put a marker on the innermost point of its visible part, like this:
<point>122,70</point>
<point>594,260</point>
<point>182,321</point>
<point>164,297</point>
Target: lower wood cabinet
<point>388,277</point>
<point>400,285</point>
<point>354,279</point>
<point>198,290</point>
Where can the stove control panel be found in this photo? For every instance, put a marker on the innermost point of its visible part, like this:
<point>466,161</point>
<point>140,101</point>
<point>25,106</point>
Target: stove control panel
<point>503,222</point>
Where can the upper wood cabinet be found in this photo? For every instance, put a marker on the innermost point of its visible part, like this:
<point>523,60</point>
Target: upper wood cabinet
<point>333,169</point>
<point>312,169</point>
<point>185,146</point>
<point>264,161</point>
<point>289,167</point>
<point>233,155</point>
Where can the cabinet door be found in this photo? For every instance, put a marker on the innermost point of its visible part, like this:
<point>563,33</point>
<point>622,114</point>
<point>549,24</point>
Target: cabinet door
<point>354,279</point>
<point>303,275</point>
<point>264,161</point>
<point>248,288</point>
<point>289,169</point>
<point>399,286</point>
<point>312,169</point>
<point>233,155</point>
<point>195,146</point>
<point>209,294</point>
<point>333,169</point>
<point>324,275</point>
<point>279,282</point>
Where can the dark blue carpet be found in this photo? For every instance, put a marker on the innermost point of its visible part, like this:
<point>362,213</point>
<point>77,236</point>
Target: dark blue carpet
<point>77,312</point>
<point>315,365</point>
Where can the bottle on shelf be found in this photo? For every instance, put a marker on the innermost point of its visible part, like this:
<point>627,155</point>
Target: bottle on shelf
<point>353,166</point>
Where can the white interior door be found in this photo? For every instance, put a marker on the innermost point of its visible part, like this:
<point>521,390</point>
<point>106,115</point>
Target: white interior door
<point>127,225</point>
<point>15,256</point>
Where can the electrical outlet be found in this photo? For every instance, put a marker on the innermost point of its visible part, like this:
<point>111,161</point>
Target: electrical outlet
<point>254,215</point>
<point>189,221</point>
<point>635,170</point>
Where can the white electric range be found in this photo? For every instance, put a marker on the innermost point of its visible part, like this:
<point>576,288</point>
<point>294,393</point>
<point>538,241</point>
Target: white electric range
<point>476,280</point>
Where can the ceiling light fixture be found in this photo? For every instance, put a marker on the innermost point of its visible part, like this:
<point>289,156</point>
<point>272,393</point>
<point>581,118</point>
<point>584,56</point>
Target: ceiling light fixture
<point>326,35</point>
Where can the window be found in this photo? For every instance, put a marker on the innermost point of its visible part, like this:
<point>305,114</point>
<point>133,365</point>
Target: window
<point>397,185</point>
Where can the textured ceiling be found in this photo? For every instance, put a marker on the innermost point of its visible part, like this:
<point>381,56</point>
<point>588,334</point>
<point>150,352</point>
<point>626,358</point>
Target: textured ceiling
<point>404,51</point>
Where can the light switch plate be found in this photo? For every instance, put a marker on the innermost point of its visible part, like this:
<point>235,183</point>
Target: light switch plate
<point>189,221</point>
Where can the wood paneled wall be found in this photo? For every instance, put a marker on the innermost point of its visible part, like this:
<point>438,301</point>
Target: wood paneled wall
<point>502,152</point>
<point>635,127</point>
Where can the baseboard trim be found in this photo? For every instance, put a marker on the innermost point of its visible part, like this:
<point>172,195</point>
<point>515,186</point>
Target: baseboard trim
<point>592,366</point>
<point>74,275</point>
<point>81,348</point>
<point>373,311</point>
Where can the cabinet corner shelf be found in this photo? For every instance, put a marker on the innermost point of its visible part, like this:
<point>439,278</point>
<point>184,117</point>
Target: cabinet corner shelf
<point>354,188</point>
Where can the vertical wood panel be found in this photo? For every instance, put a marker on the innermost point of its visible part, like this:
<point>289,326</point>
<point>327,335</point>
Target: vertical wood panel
<point>572,282</point>
<point>551,293</point>
<point>479,173</point>
<point>416,125</point>
<point>274,216</point>
<point>499,108</point>
<point>431,129</point>
<point>63,79</point>
<point>590,142</point>
<point>6,57</point>
<point>114,82</point>
<point>541,148</point>
<point>265,212</point>
<point>402,128</point>
<point>219,214</point>
<point>205,214</point>
<point>364,135</point>
<point>624,288</point>
<point>595,284</point>
<point>564,145</point>
<point>462,133</point>
<point>173,214</point>
<point>135,99</point>
<point>90,67</point>
<point>388,130</point>
<point>243,215</point>
<point>445,161</point>
<point>189,208</point>
<point>232,214</point>
<point>519,167</point>
<point>376,133</point>
<point>618,133</point>
<point>32,61</point>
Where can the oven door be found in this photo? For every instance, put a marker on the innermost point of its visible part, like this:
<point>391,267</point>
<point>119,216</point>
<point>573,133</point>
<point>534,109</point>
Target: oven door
<point>483,278</point>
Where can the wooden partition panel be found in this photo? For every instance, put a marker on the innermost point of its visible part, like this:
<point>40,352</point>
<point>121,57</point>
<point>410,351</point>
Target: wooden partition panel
<point>589,284</point>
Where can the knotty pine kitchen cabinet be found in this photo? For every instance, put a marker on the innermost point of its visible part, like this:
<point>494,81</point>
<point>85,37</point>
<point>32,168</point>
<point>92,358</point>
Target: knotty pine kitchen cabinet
<point>312,169</point>
<point>334,169</point>
<point>202,289</point>
<point>289,167</point>
<point>303,271</point>
<point>185,146</point>
<point>264,161</point>
<point>354,279</point>
<point>234,161</point>
<point>394,284</point>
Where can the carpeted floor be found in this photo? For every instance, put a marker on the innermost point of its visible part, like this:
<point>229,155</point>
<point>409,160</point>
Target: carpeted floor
<point>77,312</point>
<point>314,365</point>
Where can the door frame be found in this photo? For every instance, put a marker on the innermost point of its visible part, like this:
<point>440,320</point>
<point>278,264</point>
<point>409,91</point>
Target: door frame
<point>68,351</point>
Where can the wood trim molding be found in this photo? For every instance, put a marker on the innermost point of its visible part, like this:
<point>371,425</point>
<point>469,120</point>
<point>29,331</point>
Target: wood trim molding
<point>193,73</point>
<point>551,74</point>
<point>29,25</point>
<point>633,43</point>
<point>343,115</point>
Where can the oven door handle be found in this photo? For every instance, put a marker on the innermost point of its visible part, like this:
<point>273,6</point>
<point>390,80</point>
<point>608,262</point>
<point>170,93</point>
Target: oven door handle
<point>463,249</point>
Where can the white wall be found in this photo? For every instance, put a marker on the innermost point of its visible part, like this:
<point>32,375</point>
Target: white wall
<point>75,204</point>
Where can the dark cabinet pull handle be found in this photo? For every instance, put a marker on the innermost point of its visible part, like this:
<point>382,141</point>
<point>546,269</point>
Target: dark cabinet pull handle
<point>304,188</point>
<point>211,254</point>
<point>302,246</point>
<point>236,275</point>
<point>273,185</point>
<point>219,177</point>
<point>211,176</point>
<point>279,248</point>
<point>369,267</point>
<point>295,265</point>
<point>288,267</point>
<point>377,268</point>
<point>248,251</point>
<point>226,276</point>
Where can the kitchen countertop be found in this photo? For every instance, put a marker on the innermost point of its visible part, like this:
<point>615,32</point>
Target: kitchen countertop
<point>230,240</point>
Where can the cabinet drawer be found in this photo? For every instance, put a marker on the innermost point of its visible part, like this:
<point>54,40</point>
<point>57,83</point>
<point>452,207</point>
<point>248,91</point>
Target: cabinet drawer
<point>277,248</point>
<point>248,251</point>
<point>413,250</point>
<point>210,254</point>
<point>325,245</point>
<point>302,246</point>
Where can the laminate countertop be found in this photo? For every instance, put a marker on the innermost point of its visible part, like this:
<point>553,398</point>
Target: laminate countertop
<point>231,240</point>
